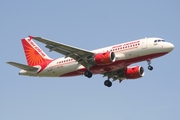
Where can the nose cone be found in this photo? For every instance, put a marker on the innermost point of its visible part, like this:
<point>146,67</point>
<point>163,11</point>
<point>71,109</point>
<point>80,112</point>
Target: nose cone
<point>170,47</point>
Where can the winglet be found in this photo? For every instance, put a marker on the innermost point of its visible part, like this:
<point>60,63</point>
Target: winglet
<point>31,37</point>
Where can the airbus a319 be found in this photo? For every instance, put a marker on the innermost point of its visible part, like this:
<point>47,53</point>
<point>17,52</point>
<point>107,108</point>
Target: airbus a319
<point>112,62</point>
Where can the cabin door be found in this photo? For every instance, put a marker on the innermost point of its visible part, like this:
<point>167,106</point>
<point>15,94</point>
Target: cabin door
<point>144,43</point>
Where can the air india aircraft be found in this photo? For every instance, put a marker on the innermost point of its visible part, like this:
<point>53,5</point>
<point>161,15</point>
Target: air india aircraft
<point>112,62</point>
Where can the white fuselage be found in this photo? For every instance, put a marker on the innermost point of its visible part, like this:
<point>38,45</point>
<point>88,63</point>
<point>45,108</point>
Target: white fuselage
<point>126,54</point>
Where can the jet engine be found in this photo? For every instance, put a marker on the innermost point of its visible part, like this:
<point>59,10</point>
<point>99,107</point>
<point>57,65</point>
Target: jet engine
<point>104,58</point>
<point>134,72</point>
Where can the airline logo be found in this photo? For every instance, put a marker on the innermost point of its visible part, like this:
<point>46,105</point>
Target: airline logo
<point>130,44</point>
<point>34,55</point>
<point>29,40</point>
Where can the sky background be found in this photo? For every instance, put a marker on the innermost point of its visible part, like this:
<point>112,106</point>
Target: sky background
<point>89,24</point>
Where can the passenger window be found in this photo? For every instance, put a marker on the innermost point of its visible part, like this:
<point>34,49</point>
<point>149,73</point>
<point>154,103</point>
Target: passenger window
<point>155,41</point>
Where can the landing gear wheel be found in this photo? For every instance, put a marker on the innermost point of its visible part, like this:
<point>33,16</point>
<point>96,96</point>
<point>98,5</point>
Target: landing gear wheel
<point>108,83</point>
<point>149,64</point>
<point>88,74</point>
<point>150,67</point>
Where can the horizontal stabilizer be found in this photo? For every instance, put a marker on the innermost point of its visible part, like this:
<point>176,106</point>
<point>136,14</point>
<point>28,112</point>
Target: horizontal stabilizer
<point>22,66</point>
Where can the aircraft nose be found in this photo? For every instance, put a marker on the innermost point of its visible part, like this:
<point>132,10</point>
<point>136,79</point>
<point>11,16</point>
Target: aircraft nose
<point>170,47</point>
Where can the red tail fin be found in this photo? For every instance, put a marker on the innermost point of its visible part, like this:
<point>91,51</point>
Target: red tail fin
<point>34,55</point>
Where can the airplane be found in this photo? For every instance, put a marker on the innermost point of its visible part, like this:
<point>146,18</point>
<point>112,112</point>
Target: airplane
<point>112,62</point>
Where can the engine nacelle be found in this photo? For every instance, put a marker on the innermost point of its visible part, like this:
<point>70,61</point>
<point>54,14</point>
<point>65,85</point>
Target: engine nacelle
<point>134,72</point>
<point>104,58</point>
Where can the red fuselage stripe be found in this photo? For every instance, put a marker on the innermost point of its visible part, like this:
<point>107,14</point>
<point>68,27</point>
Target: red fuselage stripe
<point>114,66</point>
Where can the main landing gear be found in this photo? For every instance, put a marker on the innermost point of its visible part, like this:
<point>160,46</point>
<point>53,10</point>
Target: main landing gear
<point>149,65</point>
<point>108,83</point>
<point>88,73</point>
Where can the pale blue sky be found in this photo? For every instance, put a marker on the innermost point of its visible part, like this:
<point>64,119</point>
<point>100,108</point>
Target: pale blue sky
<point>89,25</point>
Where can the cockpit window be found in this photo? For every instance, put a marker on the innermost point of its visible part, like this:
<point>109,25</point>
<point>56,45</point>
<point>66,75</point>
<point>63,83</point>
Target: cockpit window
<point>159,40</point>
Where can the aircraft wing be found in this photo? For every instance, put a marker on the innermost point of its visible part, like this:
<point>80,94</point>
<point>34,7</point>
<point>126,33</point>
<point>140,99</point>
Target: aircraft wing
<point>22,66</point>
<point>80,55</point>
<point>115,74</point>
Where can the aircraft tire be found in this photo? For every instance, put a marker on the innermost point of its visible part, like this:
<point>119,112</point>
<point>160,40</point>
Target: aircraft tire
<point>150,67</point>
<point>88,74</point>
<point>108,83</point>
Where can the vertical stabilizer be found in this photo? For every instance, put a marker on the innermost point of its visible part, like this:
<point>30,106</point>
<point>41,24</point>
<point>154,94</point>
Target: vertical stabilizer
<point>34,54</point>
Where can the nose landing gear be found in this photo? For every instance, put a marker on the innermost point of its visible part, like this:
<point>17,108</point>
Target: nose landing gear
<point>150,67</point>
<point>149,64</point>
